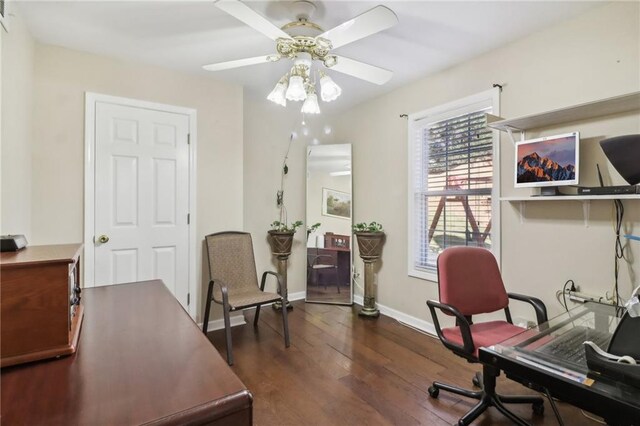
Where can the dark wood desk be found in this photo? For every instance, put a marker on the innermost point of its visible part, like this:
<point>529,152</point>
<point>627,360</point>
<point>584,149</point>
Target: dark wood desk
<point>140,359</point>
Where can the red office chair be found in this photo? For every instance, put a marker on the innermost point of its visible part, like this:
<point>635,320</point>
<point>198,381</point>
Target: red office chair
<point>469,283</point>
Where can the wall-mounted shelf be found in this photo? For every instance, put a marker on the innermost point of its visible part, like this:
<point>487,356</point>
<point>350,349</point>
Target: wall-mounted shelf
<point>614,105</point>
<point>585,199</point>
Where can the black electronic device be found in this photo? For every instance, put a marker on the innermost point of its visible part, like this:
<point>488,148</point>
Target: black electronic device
<point>12,242</point>
<point>609,190</point>
<point>622,360</point>
<point>623,153</point>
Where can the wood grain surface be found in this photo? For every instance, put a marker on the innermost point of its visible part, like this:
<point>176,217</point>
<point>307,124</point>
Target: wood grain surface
<point>345,370</point>
<point>140,359</point>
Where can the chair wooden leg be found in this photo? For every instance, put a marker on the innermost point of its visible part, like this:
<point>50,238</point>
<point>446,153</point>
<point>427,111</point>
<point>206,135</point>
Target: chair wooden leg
<point>227,332</point>
<point>255,319</point>
<point>285,323</point>
<point>207,308</point>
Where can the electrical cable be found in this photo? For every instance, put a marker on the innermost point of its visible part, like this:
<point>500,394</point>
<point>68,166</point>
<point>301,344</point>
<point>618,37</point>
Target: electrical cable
<point>564,293</point>
<point>590,417</point>
<point>618,252</point>
<point>554,406</point>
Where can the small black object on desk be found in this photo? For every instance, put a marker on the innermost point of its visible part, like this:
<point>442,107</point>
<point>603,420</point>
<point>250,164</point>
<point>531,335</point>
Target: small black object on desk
<point>12,242</point>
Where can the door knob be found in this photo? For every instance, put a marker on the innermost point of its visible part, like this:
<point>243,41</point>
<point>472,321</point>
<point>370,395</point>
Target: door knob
<point>103,239</point>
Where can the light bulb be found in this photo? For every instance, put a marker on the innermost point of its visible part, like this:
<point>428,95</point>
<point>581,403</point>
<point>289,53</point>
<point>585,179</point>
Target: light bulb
<point>277,95</point>
<point>329,90</point>
<point>310,105</point>
<point>296,91</point>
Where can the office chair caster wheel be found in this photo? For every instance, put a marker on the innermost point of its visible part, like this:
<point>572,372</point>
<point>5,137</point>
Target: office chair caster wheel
<point>433,391</point>
<point>538,408</point>
<point>477,380</point>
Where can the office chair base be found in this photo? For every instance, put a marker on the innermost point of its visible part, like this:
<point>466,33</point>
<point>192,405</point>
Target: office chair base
<point>489,398</point>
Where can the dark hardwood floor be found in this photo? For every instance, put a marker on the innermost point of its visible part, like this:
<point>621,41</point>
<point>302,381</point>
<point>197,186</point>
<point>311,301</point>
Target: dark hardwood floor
<point>346,370</point>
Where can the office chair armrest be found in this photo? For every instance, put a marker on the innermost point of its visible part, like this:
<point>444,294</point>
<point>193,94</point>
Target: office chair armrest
<point>465,328</point>
<point>278,279</point>
<point>538,305</point>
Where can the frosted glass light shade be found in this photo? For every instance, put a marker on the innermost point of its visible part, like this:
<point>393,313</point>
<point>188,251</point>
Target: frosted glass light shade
<point>329,90</point>
<point>296,91</point>
<point>277,95</point>
<point>310,105</point>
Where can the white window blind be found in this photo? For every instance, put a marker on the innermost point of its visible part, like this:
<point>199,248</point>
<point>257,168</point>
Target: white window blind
<point>452,185</point>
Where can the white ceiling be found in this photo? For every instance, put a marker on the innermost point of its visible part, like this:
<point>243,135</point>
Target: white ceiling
<point>185,35</point>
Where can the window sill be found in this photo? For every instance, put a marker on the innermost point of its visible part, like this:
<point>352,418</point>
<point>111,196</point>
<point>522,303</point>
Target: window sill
<point>427,276</point>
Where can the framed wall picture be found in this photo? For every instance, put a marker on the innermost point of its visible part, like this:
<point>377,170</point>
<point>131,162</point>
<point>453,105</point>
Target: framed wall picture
<point>336,203</point>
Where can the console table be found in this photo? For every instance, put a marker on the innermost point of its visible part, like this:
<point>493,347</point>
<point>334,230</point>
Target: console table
<point>140,359</point>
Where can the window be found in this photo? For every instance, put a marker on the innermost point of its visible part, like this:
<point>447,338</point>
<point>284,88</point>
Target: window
<point>453,181</point>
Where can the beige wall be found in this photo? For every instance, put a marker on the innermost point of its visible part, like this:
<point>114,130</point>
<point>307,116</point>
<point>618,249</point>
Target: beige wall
<point>16,134</point>
<point>43,132</point>
<point>593,56</point>
<point>267,128</point>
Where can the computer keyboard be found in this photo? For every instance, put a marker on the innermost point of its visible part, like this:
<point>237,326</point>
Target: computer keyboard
<point>568,346</point>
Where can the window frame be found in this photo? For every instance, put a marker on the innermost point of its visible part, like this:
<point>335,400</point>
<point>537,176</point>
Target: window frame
<point>489,98</point>
<point>4,19</point>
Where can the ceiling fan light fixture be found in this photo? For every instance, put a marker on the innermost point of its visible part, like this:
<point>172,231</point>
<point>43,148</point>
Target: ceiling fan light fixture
<point>330,60</point>
<point>329,90</point>
<point>278,94</point>
<point>310,105</point>
<point>295,91</point>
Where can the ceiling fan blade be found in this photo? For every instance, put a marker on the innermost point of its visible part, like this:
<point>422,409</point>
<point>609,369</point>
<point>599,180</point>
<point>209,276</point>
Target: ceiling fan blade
<point>239,63</point>
<point>244,13</point>
<point>370,22</point>
<point>363,71</point>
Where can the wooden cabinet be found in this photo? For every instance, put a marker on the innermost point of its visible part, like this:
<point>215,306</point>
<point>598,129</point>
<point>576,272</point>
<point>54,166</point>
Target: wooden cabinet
<point>337,241</point>
<point>40,305</point>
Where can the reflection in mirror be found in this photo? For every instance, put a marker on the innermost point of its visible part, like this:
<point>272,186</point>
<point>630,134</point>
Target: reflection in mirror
<point>329,209</point>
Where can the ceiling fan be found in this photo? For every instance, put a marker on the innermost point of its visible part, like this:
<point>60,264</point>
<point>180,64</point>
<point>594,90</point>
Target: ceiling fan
<point>303,42</point>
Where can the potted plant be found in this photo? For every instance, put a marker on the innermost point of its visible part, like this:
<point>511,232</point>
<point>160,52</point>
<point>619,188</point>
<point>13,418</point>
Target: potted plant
<point>281,240</point>
<point>281,237</point>
<point>370,241</point>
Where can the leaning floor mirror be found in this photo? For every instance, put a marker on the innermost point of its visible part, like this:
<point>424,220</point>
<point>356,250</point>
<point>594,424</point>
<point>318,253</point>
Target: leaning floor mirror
<point>329,213</point>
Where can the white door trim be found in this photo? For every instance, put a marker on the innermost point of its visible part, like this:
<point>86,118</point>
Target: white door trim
<point>89,183</point>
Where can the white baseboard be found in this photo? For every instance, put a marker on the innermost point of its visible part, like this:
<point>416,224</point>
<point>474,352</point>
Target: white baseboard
<point>401,317</point>
<point>239,319</point>
<point>219,323</point>
<point>299,295</point>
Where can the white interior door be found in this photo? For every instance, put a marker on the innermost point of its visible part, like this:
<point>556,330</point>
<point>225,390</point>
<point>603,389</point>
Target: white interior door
<point>141,229</point>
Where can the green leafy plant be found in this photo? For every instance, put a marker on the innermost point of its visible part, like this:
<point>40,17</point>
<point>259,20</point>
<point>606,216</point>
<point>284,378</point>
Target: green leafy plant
<point>283,227</point>
<point>367,227</point>
<point>313,227</point>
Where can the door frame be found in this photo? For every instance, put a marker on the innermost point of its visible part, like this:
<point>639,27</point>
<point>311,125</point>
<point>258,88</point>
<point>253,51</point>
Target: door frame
<point>89,184</point>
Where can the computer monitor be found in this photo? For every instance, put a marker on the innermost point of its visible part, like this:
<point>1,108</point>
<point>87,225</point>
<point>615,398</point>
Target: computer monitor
<point>548,161</point>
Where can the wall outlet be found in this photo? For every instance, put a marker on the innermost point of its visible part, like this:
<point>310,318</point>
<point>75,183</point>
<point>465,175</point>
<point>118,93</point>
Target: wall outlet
<point>578,297</point>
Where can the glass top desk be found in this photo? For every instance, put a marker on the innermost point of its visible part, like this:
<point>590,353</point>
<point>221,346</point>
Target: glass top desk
<point>551,356</point>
